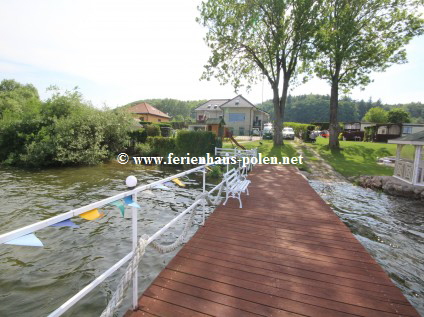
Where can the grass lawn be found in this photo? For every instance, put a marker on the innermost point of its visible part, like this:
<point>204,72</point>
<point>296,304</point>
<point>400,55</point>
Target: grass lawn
<point>355,158</point>
<point>267,148</point>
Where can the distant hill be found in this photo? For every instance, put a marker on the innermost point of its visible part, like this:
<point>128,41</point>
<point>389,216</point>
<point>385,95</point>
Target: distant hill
<point>315,108</point>
<point>178,109</point>
<point>303,108</point>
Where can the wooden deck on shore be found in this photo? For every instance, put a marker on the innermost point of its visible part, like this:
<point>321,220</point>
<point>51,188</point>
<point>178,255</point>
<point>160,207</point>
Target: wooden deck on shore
<point>285,253</point>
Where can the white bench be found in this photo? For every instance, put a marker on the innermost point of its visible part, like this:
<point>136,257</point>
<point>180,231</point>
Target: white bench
<point>235,184</point>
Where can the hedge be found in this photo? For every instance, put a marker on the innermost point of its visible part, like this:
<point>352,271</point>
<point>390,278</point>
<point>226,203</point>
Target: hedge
<point>161,146</point>
<point>197,143</point>
<point>138,136</point>
<point>153,130</point>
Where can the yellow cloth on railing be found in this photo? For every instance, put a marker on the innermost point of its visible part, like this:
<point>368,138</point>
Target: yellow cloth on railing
<point>91,214</point>
<point>178,182</point>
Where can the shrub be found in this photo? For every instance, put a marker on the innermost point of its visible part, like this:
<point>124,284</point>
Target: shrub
<point>215,172</point>
<point>143,149</point>
<point>179,125</point>
<point>218,142</point>
<point>152,130</point>
<point>161,146</point>
<point>163,124</point>
<point>369,133</point>
<point>197,143</point>
<point>79,140</point>
<point>65,131</point>
<point>138,136</point>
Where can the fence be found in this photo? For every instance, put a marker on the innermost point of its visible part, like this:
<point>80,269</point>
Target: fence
<point>138,245</point>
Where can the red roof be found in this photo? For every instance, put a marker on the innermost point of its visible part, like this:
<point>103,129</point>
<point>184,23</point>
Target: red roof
<point>145,108</point>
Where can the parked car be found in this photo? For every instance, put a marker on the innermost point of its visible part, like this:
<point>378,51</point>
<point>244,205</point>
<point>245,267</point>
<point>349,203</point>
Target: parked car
<point>255,132</point>
<point>288,133</point>
<point>267,135</point>
<point>268,131</point>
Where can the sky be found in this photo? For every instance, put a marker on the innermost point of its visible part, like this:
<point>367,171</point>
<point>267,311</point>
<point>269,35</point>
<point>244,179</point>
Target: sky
<point>117,52</point>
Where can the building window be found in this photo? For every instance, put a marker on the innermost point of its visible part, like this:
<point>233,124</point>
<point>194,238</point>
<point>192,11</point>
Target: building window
<point>236,117</point>
<point>141,118</point>
<point>159,120</point>
<point>241,131</point>
<point>407,130</point>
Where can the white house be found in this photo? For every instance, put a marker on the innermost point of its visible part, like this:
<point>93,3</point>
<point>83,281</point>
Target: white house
<point>239,114</point>
<point>409,128</point>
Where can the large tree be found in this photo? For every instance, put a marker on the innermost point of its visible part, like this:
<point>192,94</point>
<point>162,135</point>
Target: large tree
<point>376,115</point>
<point>398,115</point>
<point>17,100</point>
<point>254,38</point>
<point>358,37</point>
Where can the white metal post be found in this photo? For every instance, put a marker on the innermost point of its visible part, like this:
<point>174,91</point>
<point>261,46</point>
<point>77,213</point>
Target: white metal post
<point>416,165</point>
<point>204,191</point>
<point>134,245</point>
<point>227,155</point>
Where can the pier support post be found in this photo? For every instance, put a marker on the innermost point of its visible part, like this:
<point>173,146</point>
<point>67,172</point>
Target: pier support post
<point>134,246</point>
<point>204,191</point>
<point>131,182</point>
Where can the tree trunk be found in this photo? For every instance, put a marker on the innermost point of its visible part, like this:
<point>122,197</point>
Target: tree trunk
<point>279,109</point>
<point>334,107</point>
<point>283,102</point>
<point>278,139</point>
<point>277,113</point>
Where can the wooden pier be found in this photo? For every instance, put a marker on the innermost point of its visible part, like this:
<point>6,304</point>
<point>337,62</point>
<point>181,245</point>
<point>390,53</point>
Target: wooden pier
<point>285,253</point>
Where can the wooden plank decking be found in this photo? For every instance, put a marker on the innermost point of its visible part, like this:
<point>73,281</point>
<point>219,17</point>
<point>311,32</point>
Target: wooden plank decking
<point>284,254</point>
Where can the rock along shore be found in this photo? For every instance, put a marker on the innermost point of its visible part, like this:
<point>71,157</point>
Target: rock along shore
<point>392,186</point>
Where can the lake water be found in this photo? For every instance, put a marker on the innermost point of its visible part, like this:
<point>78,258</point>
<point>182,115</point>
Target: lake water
<point>391,229</point>
<point>35,281</point>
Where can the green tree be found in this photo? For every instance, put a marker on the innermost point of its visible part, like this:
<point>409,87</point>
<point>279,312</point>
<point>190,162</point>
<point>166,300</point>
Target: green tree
<point>178,118</point>
<point>398,115</point>
<point>358,37</point>
<point>18,100</point>
<point>416,109</point>
<point>254,38</point>
<point>376,115</point>
<point>64,130</point>
<point>362,109</point>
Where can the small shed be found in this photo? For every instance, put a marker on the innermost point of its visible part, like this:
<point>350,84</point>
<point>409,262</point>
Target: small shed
<point>409,165</point>
<point>216,125</point>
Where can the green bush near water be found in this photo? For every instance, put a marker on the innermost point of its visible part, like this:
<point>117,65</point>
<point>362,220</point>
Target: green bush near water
<point>161,146</point>
<point>144,149</point>
<point>215,172</point>
<point>63,130</point>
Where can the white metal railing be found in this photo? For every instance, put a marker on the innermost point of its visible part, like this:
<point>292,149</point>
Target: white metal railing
<point>235,152</point>
<point>133,192</point>
<point>238,153</point>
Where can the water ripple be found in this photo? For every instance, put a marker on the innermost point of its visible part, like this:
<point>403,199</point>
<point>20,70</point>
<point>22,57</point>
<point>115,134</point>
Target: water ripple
<point>390,228</point>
